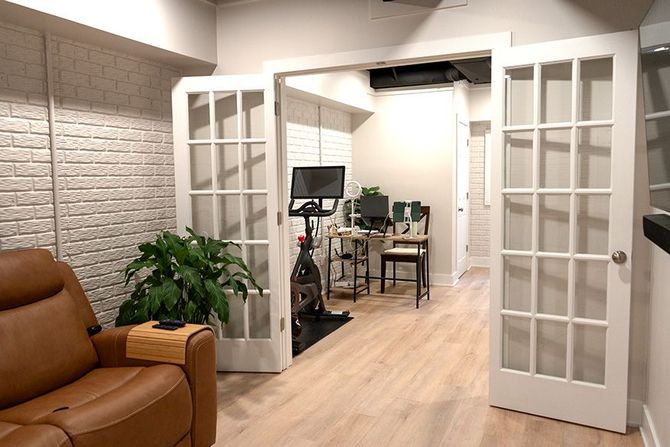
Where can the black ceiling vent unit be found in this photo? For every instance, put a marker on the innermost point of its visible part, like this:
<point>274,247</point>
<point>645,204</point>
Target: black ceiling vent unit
<point>476,71</point>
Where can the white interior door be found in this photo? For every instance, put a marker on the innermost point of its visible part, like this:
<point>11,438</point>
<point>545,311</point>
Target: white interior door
<point>562,203</point>
<point>226,187</point>
<point>462,196</point>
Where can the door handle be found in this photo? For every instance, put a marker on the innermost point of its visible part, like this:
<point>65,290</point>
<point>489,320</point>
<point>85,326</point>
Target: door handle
<point>460,210</point>
<point>619,257</point>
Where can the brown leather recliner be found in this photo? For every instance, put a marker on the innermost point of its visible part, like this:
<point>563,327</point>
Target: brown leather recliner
<point>60,387</point>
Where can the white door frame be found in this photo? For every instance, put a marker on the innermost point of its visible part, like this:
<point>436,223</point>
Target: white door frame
<point>458,272</point>
<point>421,52</point>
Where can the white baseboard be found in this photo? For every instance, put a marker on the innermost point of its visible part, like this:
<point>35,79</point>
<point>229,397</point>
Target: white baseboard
<point>436,279</point>
<point>634,413</point>
<point>444,279</point>
<point>647,429</point>
<point>480,261</point>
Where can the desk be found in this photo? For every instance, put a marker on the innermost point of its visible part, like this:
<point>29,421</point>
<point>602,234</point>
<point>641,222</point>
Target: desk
<point>421,241</point>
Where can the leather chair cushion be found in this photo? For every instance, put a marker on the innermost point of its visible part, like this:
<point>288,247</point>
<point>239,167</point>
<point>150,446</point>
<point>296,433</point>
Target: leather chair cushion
<point>43,346</point>
<point>27,276</point>
<point>124,406</point>
<point>12,435</point>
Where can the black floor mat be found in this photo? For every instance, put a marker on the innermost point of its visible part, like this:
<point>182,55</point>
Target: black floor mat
<point>313,330</point>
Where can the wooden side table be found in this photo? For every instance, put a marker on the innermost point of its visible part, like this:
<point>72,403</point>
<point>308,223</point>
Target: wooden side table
<point>146,343</point>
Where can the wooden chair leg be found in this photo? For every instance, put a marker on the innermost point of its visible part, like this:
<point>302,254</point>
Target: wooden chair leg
<point>383,275</point>
<point>423,272</point>
<point>394,277</point>
<point>427,275</point>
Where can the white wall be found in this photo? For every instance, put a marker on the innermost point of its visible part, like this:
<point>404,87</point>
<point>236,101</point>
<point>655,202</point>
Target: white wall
<point>658,367</point>
<point>406,147</point>
<point>480,103</point>
<point>252,32</point>
<point>185,28</point>
<point>461,101</point>
<point>351,88</point>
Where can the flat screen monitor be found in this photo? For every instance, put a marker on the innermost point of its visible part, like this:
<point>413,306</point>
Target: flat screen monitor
<point>318,182</point>
<point>374,207</point>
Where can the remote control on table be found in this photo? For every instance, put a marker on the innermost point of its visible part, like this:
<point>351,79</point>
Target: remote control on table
<point>175,323</point>
<point>165,327</point>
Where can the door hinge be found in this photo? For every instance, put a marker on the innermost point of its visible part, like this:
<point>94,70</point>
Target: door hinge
<point>279,218</point>
<point>468,142</point>
<point>277,108</point>
<point>467,248</point>
<point>467,195</point>
<point>282,324</point>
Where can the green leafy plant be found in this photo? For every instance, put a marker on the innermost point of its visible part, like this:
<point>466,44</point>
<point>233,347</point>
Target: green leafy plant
<point>184,278</point>
<point>346,208</point>
<point>371,191</point>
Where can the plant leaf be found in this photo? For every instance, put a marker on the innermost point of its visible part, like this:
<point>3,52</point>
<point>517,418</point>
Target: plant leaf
<point>171,293</point>
<point>192,277</point>
<point>218,300</point>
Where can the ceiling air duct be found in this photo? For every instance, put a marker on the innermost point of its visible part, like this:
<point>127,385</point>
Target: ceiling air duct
<point>475,71</point>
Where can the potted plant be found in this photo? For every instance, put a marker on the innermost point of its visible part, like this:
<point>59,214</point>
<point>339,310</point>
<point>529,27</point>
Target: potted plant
<point>184,278</point>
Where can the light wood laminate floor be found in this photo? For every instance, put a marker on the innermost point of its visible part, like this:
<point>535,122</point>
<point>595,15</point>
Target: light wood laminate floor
<point>393,376</point>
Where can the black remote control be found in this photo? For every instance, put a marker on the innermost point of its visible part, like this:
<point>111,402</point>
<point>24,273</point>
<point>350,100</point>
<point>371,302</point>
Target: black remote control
<point>175,323</point>
<point>165,327</point>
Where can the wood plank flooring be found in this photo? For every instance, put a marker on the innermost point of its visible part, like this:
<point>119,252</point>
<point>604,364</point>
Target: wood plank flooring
<point>393,376</point>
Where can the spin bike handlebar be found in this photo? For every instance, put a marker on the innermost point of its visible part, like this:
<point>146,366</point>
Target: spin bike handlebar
<point>311,209</point>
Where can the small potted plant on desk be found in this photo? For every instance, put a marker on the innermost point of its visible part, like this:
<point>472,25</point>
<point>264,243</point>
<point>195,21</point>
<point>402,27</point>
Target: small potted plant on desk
<point>184,278</point>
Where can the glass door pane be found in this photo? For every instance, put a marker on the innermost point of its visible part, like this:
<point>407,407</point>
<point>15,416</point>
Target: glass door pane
<point>519,95</point>
<point>552,342</point>
<point>519,160</point>
<point>518,221</point>
<point>554,223</point>
<point>596,89</point>
<point>555,158</point>
<point>198,116</point>
<point>556,88</point>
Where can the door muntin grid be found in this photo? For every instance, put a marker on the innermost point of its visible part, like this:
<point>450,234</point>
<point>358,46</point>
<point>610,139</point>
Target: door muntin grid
<point>556,206</point>
<point>228,192</point>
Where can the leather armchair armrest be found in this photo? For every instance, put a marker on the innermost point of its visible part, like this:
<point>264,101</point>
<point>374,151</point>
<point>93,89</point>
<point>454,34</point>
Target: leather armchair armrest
<point>110,345</point>
<point>200,370</point>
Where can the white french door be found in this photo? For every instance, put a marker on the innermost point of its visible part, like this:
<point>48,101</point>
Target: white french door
<point>226,188</point>
<point>562,218</point>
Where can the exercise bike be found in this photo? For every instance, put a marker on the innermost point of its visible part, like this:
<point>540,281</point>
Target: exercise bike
<point>306,286</point>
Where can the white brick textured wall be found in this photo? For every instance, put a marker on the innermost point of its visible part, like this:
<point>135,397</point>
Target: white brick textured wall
<point>26,209</point>
<point>114,142</point>
<point>480,230</point>
<point>311,145</point>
